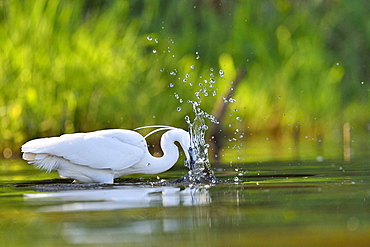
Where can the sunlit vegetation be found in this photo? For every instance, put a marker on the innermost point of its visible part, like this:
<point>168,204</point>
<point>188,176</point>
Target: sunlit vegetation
<point>69,66</point>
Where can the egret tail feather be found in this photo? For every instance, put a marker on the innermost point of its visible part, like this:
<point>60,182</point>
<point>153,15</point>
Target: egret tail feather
<point>157,130</point>
<point>160,128</point>
<point>48,164</point>
<point>155,126</point>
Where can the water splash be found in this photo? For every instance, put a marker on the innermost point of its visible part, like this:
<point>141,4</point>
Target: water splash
<point>199,165</point>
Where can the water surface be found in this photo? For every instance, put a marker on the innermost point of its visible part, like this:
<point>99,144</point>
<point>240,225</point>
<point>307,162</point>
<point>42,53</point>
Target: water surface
<point>300,203</point>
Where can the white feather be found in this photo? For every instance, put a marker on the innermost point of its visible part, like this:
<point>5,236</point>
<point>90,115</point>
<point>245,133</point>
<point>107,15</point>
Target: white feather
<point>106,149</point>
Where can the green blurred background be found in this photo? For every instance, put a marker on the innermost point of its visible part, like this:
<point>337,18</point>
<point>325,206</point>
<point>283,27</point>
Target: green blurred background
<point>299,69</point>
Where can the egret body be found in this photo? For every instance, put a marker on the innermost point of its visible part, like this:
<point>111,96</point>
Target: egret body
<point>103,155</point>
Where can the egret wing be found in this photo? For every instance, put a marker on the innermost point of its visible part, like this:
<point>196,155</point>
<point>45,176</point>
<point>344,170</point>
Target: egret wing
<point>100,150</point>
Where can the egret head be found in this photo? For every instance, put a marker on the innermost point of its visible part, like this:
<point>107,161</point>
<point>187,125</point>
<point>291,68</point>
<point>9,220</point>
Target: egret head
<point>174,135</point>
<point>183,138</point>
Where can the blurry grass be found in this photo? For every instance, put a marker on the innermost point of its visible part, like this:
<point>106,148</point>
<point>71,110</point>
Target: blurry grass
<point>69,66</point>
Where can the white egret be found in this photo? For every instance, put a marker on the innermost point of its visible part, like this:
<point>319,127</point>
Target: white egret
<point>103,155</point>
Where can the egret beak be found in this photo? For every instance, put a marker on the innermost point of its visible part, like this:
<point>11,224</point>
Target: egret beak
<point>188,153</point>
<point>190,158</point>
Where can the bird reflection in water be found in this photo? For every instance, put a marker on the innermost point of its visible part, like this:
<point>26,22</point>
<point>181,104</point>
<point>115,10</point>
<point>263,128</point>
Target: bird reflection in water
<point>121,198</point>
<point>115,203</point>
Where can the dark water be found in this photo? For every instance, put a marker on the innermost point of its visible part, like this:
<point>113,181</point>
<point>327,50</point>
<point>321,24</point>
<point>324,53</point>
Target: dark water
<point>305,203</point>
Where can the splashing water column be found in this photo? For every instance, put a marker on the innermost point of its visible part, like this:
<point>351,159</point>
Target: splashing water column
<point>199,165</point>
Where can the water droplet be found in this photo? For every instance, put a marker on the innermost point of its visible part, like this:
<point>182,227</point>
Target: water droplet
<point>222,73</point>
<point>178,108</point>
<point>149,38</point>
<point>161,70</point>
<point>192,66</point>
<point>362,83</point>
<point>172,84</point>
<point>197,95</point>
<point>154,51</point>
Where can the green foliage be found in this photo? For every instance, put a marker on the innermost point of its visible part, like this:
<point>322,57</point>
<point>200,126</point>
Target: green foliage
<point>70,66</point>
